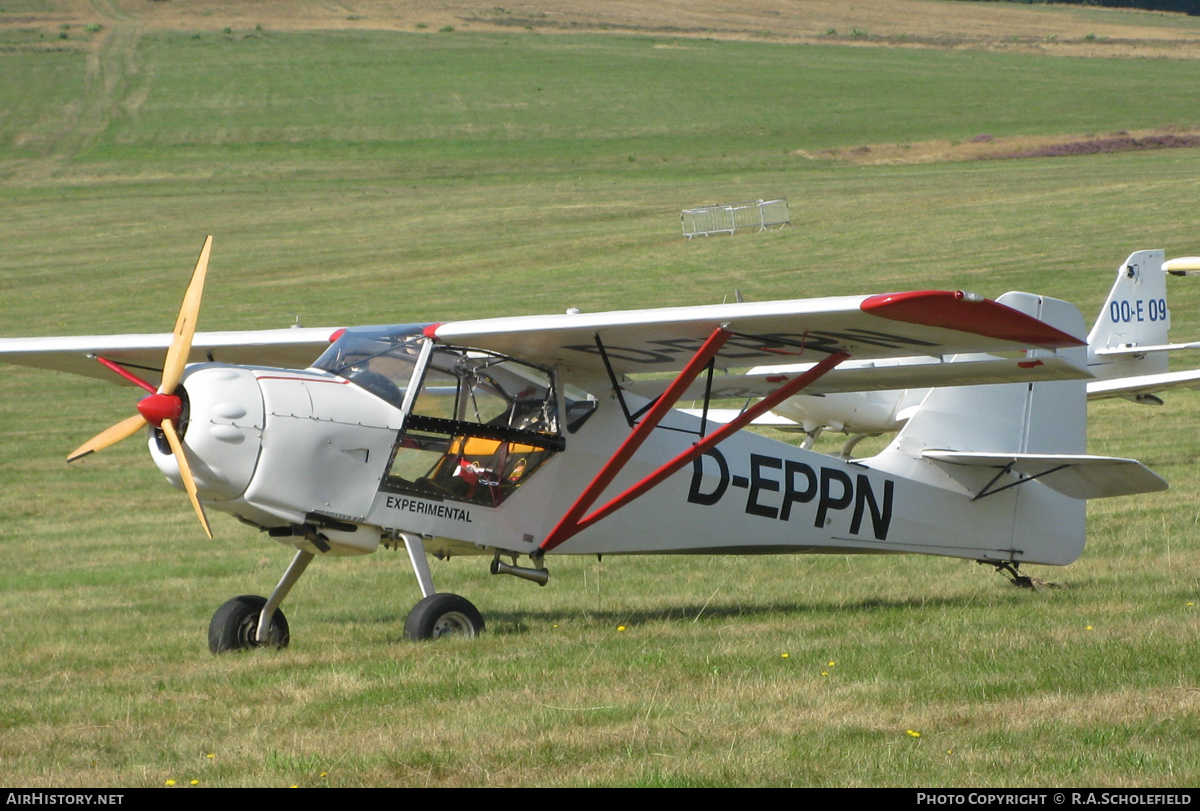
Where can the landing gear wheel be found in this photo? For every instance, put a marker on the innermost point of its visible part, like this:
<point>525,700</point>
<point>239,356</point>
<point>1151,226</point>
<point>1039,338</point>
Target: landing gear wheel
<point>440,615</point>
<point>235,626</point>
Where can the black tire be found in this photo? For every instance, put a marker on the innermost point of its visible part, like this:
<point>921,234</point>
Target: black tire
<point>235,626</point>
<point>440,615</point>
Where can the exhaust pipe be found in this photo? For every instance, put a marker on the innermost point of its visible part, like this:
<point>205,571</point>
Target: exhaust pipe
<point>539,576</point>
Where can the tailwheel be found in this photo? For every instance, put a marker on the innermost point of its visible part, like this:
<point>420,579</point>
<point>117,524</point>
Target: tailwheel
<point>441,615</point>
<point>235,626</point>
<point>1012,568</point>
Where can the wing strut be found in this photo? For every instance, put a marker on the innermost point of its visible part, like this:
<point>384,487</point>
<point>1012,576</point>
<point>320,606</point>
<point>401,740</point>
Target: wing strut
<point>132,378</point>
<point>612,376</point>
<point>575,520</point>
<point>712,365</point>
<point>630,418</point>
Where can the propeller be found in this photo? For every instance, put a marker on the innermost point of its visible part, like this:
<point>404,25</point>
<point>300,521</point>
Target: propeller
<point>163,408</point>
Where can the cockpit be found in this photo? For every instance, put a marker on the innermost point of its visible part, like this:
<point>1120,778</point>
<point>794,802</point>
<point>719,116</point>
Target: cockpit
<point>477,425</point>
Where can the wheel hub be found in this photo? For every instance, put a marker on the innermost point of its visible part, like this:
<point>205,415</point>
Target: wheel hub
<point>453,624</point>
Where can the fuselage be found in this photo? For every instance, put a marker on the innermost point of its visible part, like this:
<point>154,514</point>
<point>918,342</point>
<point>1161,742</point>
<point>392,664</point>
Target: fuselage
<point>474,452</point>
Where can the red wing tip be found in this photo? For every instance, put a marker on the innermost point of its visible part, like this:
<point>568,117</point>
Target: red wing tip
<point>338,333</point>
<point>966,313</point>
<point>431,331</point>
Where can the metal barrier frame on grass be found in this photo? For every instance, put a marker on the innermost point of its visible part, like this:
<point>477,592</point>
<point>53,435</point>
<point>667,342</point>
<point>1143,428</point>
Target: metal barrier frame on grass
<point>729,217</point>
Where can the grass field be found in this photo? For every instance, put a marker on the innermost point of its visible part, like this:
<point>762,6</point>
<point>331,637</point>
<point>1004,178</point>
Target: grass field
<point>356,173</point>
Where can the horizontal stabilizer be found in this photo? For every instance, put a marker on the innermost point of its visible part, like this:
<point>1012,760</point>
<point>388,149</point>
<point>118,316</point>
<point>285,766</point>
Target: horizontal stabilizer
<point>1075,475</point>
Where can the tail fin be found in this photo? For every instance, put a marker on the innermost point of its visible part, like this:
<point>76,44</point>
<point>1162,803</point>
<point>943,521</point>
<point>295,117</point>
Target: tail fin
<point>1014,418</point>
<point>1045,417</point>
<point>1135,314</point>
<point>1008,461</point>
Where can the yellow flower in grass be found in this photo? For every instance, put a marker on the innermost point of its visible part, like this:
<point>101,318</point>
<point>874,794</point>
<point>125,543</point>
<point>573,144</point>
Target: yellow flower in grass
<point>783,656</point>
<point>912,733</point>
<point>620,628</point>
<point>169,783</point>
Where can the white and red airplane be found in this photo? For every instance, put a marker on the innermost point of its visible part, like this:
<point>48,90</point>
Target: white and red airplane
<point>498,437</point>
<point>1127,352</point>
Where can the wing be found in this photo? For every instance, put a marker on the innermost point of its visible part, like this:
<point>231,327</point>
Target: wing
<point>727,415</point>
<point>930,323</point>
<point>1183,266</point>
<point>903,373</point>
<point>1142,384</point>
<point>288,348</point>
<point>1134,351</point>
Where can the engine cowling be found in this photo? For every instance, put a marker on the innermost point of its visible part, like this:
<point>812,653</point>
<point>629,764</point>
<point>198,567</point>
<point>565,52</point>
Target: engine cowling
<point>221,429</point>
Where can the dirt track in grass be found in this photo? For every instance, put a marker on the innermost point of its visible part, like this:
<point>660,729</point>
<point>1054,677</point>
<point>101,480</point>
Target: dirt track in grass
<point>1069,31</point>
<point>985,147</point>
<point>1057,30</point>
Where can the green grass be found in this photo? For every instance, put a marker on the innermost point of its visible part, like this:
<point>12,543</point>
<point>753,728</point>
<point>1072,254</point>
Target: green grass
<point>368,178</point>
<point>361,96</point>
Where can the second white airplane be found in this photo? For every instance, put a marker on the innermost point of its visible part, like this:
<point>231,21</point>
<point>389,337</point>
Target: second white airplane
<point>1126,352</point>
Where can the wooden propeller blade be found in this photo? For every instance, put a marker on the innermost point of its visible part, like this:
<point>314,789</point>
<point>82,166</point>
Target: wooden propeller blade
<point>122,430</point>
<point>185,325</point>
<point>185,471</point>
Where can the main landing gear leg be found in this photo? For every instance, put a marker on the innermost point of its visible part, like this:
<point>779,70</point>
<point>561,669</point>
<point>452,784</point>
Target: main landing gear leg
<point>250,621</point>
<point>437,615</point>
<point>416,554</point>
<point>294,570</point>
<point>849,445</point>
<point>810,438</point>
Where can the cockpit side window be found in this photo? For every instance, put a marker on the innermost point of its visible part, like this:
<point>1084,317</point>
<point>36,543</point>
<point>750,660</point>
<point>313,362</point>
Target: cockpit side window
<point>481,425</point>
<point>485,389</point>
<point>438,395</point>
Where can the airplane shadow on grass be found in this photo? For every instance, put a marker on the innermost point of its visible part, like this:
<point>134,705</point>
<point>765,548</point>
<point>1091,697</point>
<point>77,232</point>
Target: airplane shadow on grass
<point>522,622</point>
